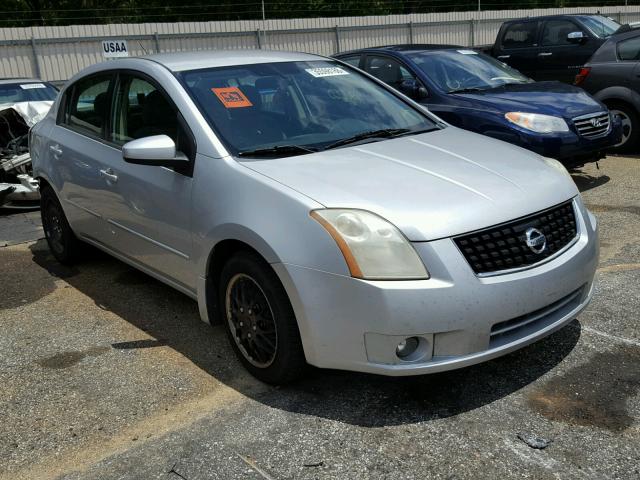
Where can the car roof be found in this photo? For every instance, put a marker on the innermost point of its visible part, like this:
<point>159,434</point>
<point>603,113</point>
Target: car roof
<point>548,17</point>
<point>8,81</point>
<point>409,47</point>
<point>222,58</point>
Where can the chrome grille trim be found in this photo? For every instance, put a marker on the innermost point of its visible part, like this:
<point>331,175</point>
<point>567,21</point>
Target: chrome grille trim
<point>593,125</point>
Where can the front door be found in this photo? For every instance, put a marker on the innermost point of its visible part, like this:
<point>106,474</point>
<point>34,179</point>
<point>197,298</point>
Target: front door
<point>149,213</point>
<point>559,59</point>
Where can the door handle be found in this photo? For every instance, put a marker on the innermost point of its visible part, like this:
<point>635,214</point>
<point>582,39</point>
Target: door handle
<point>545,54</point>
<point>503,57</point>
<point>109,175</point>
<point>56,149</point>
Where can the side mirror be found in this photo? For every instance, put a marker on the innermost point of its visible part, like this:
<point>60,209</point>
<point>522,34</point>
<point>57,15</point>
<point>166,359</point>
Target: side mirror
<point>576,37</point>
<point>157,150</point>
<point>414,89</point>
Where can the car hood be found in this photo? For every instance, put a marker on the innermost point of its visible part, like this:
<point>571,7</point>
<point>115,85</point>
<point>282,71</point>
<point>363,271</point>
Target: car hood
<point>432,185</point>
<point>550,98</point>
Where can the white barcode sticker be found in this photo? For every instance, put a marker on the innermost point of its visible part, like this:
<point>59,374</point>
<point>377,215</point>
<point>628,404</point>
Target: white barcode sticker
<point>326,71</point>
<point>29,86</point>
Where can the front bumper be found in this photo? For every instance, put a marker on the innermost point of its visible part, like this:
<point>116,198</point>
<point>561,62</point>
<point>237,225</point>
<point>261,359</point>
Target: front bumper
<point>352,324</point>
<point>569,147</point>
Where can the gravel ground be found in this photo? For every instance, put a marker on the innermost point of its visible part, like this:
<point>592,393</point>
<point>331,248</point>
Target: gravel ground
<point>108,374</point>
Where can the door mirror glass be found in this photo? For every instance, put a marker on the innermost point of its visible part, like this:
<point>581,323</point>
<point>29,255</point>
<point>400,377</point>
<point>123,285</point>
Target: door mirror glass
<point>156,150</point>
<point>576,37</point>
<point>414,89</point>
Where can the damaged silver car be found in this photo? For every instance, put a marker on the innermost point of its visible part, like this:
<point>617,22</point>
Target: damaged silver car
<point>23,102</point>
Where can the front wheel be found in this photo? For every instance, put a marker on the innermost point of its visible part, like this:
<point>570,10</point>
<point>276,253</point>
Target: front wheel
<point>63,243</point>
<point>630,126</point>
<point>260,321</point>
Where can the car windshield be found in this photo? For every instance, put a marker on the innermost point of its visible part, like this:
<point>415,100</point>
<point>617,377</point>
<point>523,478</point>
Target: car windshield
<point>602,26</point>
<point>299,107</point>
<point>27,92</point>
<point>465,70</point>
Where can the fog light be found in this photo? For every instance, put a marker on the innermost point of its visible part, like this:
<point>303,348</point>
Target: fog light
<point>406,347</point>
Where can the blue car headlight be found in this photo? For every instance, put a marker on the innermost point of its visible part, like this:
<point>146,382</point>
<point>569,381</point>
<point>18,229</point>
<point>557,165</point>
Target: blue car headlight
<point>537,122</point>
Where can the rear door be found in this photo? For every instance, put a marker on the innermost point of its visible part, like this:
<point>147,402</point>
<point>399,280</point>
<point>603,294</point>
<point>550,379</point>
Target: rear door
<point>78,153</point>
<point>519,46</point>
<point>558,58</point>
<point>628,68</point>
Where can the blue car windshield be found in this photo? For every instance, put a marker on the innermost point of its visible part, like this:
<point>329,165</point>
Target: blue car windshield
<point>27,92</point>
<point>298,105</point>
<point>603,27</point>
<point>465,70</point>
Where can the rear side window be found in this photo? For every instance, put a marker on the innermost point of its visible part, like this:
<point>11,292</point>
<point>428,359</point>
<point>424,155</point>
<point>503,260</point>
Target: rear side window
<point>88,107</point>
<point>556,32</point>
<point>629,49</point>
<point>520,34</point>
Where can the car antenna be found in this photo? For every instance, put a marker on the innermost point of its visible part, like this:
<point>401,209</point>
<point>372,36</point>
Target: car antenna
<point>142,47</point>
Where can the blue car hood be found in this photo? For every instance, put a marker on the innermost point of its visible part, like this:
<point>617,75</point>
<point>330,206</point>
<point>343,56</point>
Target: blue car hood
<point>550,98</point>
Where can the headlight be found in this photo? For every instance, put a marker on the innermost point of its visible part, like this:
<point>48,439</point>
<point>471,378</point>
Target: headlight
<point>537,122</point>
<point>373,248</point>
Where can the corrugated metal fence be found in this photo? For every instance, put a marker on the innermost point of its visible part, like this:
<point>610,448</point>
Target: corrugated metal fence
<point>56,53</point>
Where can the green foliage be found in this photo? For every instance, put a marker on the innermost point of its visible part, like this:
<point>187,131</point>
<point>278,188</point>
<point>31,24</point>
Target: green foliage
<point>22,13</point>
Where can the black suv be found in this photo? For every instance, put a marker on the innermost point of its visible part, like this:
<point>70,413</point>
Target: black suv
<point>552,47</point>
<point>613,77</point>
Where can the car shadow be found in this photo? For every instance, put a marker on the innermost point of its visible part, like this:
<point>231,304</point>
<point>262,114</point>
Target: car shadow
<point>585,182</point>
<point>172,319</point>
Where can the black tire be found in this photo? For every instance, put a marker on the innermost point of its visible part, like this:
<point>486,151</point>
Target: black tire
<point>63,243</point>
<point>260,321</point>
<point>631,126</point>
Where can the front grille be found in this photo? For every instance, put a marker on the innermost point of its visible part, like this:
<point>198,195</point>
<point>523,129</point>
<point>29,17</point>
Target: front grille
<point>592,126</point>
<point>504,246</point>
<point>526,324</point>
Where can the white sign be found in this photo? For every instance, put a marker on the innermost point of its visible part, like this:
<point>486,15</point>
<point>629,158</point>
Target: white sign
<point>327,71</point>
<point>114,48</point>
<point>29,86</point>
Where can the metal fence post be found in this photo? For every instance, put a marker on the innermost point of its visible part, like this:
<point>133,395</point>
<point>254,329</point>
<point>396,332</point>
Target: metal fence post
<point>410,25</point>
<point>472,32</point>
<point>620,16</point>
<point>36,60</point>
<point>156,40</point>
<point>258,38</point>
<point>337,39</point>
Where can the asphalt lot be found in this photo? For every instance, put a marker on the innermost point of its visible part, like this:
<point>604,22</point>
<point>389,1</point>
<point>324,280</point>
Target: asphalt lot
<point>107,374</point>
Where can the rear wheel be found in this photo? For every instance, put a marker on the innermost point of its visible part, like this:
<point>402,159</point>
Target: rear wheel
<point>630,126</point>
<point>63,243</point>
<point>259,320</point>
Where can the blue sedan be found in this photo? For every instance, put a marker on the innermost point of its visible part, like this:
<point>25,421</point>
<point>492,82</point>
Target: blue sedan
<point>476,92</point>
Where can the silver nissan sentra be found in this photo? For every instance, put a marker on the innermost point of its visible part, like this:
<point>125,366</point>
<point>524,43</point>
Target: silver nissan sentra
<point>321,216</point>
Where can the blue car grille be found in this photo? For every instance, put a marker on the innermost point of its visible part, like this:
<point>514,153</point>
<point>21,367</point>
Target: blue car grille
<point>504,246</point>
<point>592,126</point>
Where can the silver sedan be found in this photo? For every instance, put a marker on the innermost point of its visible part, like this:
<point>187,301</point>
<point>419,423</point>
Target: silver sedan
<point>324,218</point>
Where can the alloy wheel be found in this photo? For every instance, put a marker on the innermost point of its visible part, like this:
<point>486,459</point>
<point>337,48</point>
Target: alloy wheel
<point>251,320</point>
<point>626,126</point>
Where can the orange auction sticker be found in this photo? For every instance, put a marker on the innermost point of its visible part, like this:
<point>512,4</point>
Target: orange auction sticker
<point>232,97</point>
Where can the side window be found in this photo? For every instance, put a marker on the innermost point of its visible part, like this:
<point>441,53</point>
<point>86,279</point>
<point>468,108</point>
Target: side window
<point>353,60</point>
<point>629,50</point>
<point>88,105</point>
<point>519,35</point>
<point>388,70</point>
<point>555,32</point>
<point>142,110</point>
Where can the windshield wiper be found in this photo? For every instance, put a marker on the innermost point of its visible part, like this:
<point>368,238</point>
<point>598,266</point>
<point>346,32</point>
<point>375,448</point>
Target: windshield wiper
<point>382,133</point>
<point>276,151</point>
<point>467,90</point>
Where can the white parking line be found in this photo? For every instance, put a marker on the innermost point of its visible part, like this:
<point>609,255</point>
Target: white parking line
<point>609,336</point>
